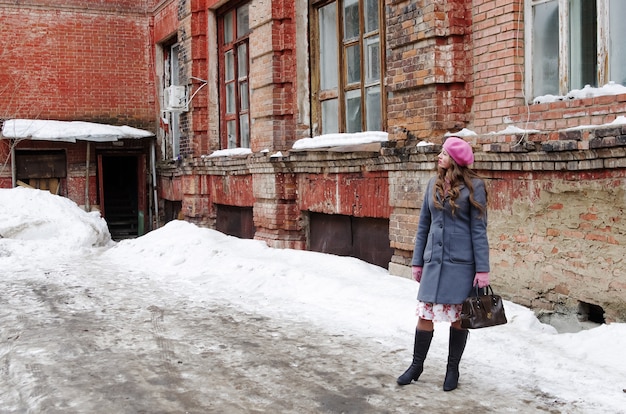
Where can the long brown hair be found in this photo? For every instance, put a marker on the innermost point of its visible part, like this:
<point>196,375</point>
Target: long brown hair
<point>456,176</point>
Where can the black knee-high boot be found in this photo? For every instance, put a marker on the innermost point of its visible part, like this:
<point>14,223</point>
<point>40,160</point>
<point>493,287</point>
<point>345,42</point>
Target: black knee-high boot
<point>420,349</point>
<point>458,339</point>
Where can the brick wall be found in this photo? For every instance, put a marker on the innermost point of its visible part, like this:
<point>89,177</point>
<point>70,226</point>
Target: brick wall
<point>361,194</point>
<point>498,58</point>
<point>405,190</point>
<point>558,239</point>
<point>272,74</point>
<point>165,21</point>
<point>498,89</point>
<point>76,64</point>
<point>428,68</point>
<point>555,217</point>
<point>556,197</point>
<point>119,6</point>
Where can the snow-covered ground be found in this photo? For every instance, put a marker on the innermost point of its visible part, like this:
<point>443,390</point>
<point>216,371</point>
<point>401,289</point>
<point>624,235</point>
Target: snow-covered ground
<point>584,371</point>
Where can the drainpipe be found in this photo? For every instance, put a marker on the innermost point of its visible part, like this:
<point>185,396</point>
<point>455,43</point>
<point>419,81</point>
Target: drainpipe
<point>87,205</point>
<point>13,166</point>
<point>154,181</point>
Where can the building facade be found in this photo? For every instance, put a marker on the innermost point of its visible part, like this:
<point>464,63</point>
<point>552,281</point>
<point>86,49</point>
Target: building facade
<point>535,85</point>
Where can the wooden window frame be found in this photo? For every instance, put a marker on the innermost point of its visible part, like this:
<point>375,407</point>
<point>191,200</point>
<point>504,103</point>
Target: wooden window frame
<point>237,80</point>
<point>170,51</point>
<point>317,94</point>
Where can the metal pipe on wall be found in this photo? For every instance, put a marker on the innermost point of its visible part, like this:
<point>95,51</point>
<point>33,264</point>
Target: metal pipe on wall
<point>154,182</point>
<point>87,204</point>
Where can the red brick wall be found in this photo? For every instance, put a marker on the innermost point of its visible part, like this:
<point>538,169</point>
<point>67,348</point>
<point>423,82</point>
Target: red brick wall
<point>428,67</point>
<point>73,185</point>
<point>77,64</point>
<point>234,190</point>
<point>498,52</point>
<point>169,188</point>
<point>358,195</point>
<point>273,74</point>
<point>498,64</point>
<point>165,21</point>
<point>124,6</point>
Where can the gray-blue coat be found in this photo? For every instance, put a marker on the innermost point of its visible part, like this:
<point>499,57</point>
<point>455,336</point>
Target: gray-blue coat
<point>451,248</point>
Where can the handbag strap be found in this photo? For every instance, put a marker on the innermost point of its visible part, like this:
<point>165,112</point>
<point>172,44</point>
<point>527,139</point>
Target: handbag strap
<point>487,290</point>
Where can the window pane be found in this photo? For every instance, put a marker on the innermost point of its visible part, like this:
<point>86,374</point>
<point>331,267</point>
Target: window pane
<point>330,116</point>
<point>230,98</point>
<point>353,111</point>
<point>228,27</point>
<point>353,61</point>
<point>174,71</point>
<point>583,41</point>
<point>243,25</point>
<point>243,96</point>
<point>374,118</point>
<point>244,130</point>
<point>546,49</point>
<point>329,72</point>
<point>617,34</point>
<point>229,66</point>
<point>350,19</point>
<point>371,15</point>
<point>372,60</point>
<point>242,60</point>
<point>232,134</point>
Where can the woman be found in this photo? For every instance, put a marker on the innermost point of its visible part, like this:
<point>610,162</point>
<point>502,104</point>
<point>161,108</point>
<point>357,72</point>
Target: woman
<point>451,255</point>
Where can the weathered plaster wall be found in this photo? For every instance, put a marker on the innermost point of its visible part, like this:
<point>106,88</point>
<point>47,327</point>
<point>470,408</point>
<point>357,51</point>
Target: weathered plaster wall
<point>557,239</point>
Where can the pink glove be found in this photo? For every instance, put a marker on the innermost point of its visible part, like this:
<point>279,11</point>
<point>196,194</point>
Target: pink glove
<point>481,279</point>
<point>416,271</point>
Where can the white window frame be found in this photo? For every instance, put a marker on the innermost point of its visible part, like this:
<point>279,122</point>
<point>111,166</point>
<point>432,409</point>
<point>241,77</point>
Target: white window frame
<point>602,44</point>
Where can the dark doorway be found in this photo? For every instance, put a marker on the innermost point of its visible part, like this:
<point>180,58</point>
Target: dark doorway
<point>120,193</point>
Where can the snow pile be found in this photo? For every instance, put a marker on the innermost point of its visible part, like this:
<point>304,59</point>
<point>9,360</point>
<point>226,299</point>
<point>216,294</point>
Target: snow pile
<point>28,214</point>
<point>287,281</point>
<point>583,371</point>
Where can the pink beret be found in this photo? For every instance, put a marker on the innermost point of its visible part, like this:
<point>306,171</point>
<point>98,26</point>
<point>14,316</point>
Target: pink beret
<point>459,150</point>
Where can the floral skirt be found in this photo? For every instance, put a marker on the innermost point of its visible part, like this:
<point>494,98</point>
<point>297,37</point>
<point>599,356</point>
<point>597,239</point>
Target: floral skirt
<point>438,312</point>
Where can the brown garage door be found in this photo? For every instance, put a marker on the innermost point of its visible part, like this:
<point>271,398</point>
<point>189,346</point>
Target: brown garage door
<point>361,237</point>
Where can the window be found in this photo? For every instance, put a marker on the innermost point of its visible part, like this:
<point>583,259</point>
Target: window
<point>42,169</point>
<point>171,77</point>
<point>233,30</point>
<point>170,118</point>
<point>347,66</point>
<point>574,43</point>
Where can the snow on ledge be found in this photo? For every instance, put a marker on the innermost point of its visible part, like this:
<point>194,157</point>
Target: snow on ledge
<point>334,140</point>
<point>229,152</point>
<point>610,88</point>
<point>68,131</point>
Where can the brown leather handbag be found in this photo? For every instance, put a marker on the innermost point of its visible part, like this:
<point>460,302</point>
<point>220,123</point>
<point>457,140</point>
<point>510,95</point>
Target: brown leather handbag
<point>482,310</point>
